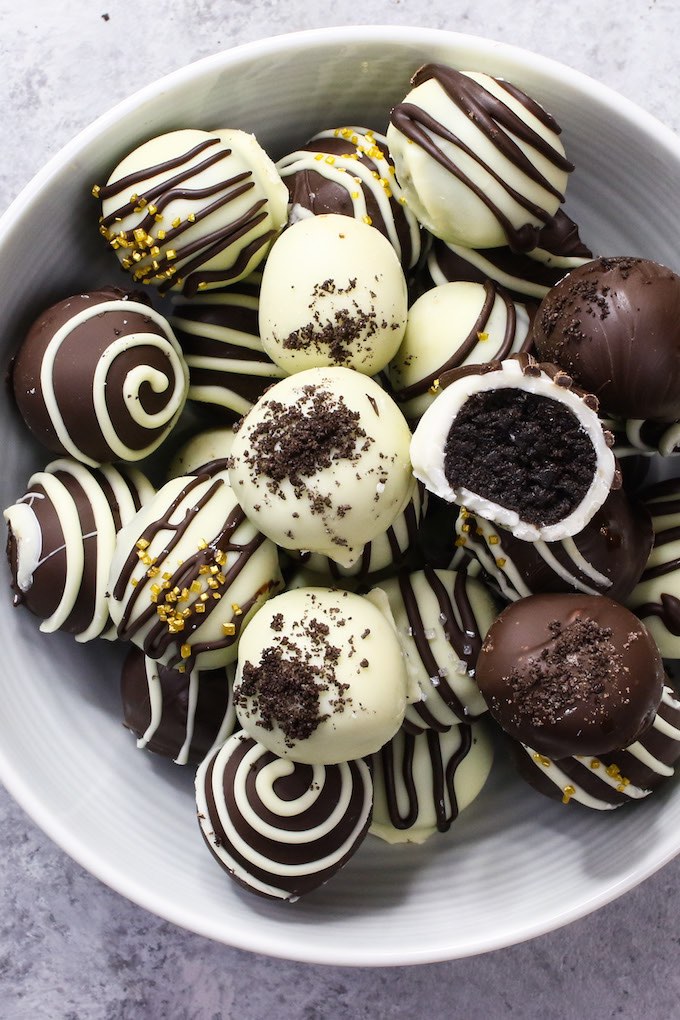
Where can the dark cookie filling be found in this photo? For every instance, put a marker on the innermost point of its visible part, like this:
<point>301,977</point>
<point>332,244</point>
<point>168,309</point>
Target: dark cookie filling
<point>523,451</point>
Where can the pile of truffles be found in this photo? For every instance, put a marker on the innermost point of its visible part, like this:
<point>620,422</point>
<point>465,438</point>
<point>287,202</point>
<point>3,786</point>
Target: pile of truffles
<point>411,514</point>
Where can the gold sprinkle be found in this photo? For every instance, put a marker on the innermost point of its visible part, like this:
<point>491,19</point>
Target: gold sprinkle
<point>171,254</point>
<point>134,582</point>
<point>161,235</point>
<point>595,763</point>
<point>142,543</point>
<point>199,607</point>
<point>613,770</point>
<point>96,191</point>
<point>229,629</point>
<point>460,542</point>
<point>482,336</point>
<point>153,571</point>
<point>330,160</point>
<point>368,220</point>
<point>567,793</point>
<point>220,557</point>
<point>153,209</point>
<point>177,222</point>
<point>318,157</point>
<point>191,218</point>
<point>500,562</point>
<point>236,609</point>
<point>493,539</point>
<point>195,587</point>
<point>434,388</point>
<point>542,760</point>
<point>185,651</point>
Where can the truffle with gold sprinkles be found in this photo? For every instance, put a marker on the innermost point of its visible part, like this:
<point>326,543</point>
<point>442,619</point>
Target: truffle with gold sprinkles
<point>188,572</point>
<point>609,780</point>
<point>348,170</point>
<point>191,210</point>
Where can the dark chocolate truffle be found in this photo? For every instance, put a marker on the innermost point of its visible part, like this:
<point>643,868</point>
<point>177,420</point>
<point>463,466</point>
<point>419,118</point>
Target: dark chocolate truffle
<point>606,558</point>
<point>614,324</point>
<point>280,828</point>
<point>349,171</point>
<point>570,674</point>
<point>516,443</point>
<point>100,376</point>
<point>609,780</point>
<point>181,716</point>
<point>61,540</point>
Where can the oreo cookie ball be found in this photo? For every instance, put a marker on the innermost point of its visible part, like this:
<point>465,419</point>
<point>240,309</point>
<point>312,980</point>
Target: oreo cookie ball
<point>570,674</point>
<point>614,324</point>
<point>100,376</point>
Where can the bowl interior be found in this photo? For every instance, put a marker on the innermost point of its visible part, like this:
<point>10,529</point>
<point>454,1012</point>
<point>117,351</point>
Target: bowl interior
<point>514,865</point>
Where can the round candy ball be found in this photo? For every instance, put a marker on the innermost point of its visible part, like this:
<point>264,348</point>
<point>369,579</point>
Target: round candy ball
<point>100,376</point>
<point>614,325</point>
<point>570,674</point>
<point>333,293</point>
<point>321,677</point>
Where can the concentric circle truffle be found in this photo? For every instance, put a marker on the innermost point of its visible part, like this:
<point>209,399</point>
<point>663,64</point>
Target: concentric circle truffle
<point>610,780</point>
<point>188,572</point>
<point>349,171</point>
<point>453,325</point>
<point>515,443</point>
<point>570,674</point>
<point>280,828</point>
<point>614,326</point>
<point>182,716</point>
<point>606,558</point>
<point>441,618</point>
<point>333,293</point>
<point>422,782</point>
<point>481,164</point>
<point>220,338</point>
<point>656,598</point>
<point>101,377</point>
<point>61,540</point>
<point>320,676</point>
<point>190,209</point>
<point>321,463</point>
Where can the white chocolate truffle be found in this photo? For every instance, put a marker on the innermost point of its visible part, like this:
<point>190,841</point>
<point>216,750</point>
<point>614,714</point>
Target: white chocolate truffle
<point>480,162</point>
<point>385,551</point>
<point>452,325</point>
<point>188,572</point>
<point>441,617</point>
<point>190,209</point>
<point>333,293</point>
<point>515,443</point>
<point>422,782</point>
<point>320,677</point>
<point>321,462</point>
<point>204,448</point>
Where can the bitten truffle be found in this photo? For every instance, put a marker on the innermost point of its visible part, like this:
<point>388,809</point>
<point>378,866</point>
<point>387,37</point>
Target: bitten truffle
<point>570,674</point>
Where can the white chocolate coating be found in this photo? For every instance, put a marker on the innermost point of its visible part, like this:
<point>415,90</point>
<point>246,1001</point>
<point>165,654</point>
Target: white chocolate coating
<point>203,448</point>
<point>339,658</point>
<point>421,782</point>
<point>429,442</point>
<point>71,489</point>
<point>452,325</point>
<point>280,828</point>
<point>206,217</point>
<point>188,572</point>
<point>448,204</point>
<point>441,617</point>
<point>333,293</point>
<point>359,490</point>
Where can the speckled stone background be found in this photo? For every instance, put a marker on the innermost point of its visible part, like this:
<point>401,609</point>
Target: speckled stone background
<point>71,948</point>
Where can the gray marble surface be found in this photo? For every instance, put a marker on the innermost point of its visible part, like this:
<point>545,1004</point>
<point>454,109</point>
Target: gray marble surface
<point>72,948</point>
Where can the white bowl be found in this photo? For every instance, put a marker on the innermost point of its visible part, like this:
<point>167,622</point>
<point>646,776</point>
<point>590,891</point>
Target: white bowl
<point>514,865</point>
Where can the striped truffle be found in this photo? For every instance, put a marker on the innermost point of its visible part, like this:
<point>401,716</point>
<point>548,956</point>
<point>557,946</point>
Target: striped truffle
<point>183,716</point>
<point>423,781</point>
<point>61,541</point>
<point>656,598</point>
<point>280,828</point>
<point>610,780</point>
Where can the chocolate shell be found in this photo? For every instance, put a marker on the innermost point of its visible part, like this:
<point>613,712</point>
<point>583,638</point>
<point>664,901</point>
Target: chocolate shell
<point>280,829</point>
<point>614,325</point>
<point>656,598</point>
<point>570,674</point>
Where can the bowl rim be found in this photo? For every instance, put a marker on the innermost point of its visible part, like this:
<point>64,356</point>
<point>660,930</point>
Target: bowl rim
<point>16,784</point>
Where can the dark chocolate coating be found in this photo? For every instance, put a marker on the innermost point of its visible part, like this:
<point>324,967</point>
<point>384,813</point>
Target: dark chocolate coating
<point>71,369</point>
<point>658,752</point>
<point>319,194</point>
<point>614,324</point>
<point>178,719</point>
<point>570,674</point>
<point>329,835</point>
<point>615,543</point>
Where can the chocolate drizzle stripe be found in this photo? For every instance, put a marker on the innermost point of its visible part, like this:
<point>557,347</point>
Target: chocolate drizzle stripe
<point>660,570</point>
<point>115,188</point>
<point>237,269</point>
<point>387,756</point>
<point>445,819</point>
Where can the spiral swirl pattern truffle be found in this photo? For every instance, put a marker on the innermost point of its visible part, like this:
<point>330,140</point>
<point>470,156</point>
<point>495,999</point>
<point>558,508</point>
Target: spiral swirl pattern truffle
<point>101,377</point>
<point>280,828</point>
